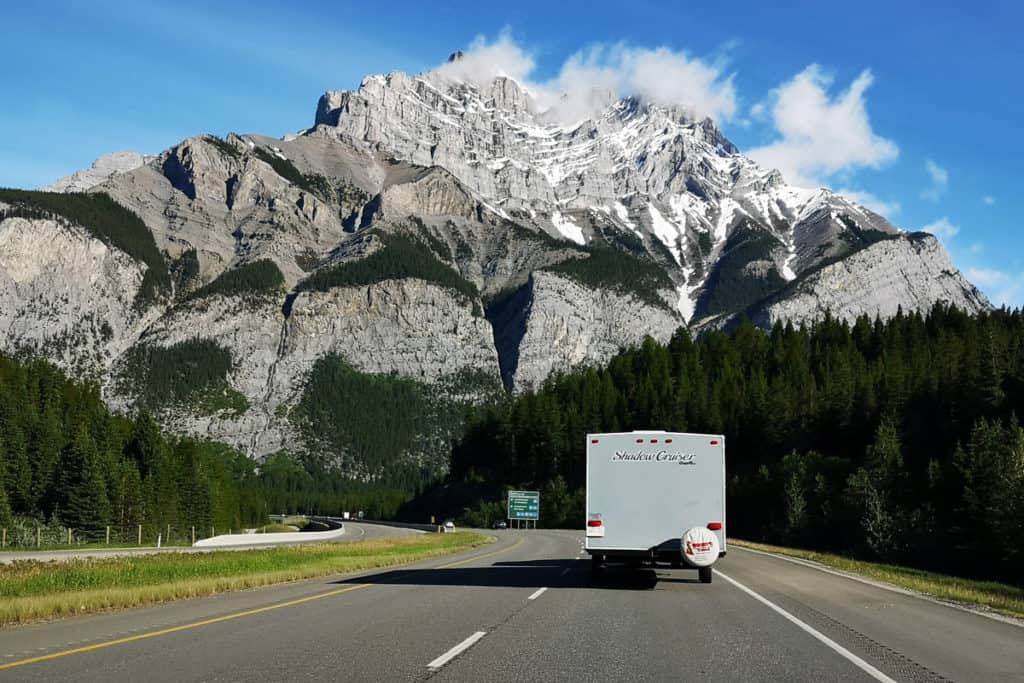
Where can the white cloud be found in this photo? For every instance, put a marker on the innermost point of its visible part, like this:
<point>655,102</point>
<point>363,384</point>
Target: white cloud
<point>1002,288</point>
<point>942,228</point>
<point>1011,293</point>
<point>986,277</point>
<point>821,135</point>
<point>988,200</point>
<point>940,180</point>
<point>880,206</point>
<point>590,79</point>
<point>976,248</point>
<point>484,61</point>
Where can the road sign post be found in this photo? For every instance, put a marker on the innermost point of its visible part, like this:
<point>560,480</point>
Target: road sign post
<point>524,505</point>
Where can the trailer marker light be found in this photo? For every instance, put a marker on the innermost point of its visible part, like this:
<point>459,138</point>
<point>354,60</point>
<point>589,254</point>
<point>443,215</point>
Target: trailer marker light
<point>668,440</point>
<point>714,526</point>
<point>714,442</point>
<point>594,440</point>
<point>595,522</point>
<point>639,440</point>
<point>654,441</point>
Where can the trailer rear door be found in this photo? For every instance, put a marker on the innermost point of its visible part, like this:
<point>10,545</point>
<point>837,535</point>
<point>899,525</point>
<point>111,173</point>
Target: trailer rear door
<point>647,488</point>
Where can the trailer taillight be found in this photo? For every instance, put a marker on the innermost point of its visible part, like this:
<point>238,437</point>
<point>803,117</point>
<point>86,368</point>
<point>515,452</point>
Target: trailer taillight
<point>714,526</point>
<point>594,440</point>
<point>714,442</point>
<point>595,522</point>
<point>639,440</point>
<point>668,440</point>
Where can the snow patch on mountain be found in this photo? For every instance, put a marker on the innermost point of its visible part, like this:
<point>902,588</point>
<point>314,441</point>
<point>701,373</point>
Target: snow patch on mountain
<point>566,227</point>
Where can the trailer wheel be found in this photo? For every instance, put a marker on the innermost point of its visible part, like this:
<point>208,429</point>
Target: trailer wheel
<point>705,574</point>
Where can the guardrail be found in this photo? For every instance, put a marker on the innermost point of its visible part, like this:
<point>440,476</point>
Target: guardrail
<point>433,528</point>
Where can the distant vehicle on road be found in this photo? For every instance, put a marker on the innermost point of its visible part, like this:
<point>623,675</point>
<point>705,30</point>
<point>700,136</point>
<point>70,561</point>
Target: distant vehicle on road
<point>346,515</point>
<point>500,524</point>
<point>656,497</point>
<point>449,525</point>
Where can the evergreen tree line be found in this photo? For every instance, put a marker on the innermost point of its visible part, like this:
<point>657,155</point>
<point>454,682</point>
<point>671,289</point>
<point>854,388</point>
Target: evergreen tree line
<point>896,440</point>
<point>66,460</point>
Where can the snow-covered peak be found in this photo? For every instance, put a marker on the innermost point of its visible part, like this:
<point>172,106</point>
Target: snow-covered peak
<point>682,186</point>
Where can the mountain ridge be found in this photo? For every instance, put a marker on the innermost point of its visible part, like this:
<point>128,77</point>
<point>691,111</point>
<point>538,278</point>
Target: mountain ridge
<point>531,247</point>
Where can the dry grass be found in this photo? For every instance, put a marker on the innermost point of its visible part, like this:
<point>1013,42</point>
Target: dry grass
<point>31,591</point>
<point>999,597</point>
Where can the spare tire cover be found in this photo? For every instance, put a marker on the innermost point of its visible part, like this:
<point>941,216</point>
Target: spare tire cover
<point>700,547</point>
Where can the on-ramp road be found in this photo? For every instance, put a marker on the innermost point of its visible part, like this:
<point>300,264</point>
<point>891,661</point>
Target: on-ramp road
<point>525,609</point>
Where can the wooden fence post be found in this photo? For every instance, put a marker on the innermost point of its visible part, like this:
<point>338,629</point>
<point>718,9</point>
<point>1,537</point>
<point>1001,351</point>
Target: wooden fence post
<point>140,534</point>
<point>108,534</point>
<point>193,535</point>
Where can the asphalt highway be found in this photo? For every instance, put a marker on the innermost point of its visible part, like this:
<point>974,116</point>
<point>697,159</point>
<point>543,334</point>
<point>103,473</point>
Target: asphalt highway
<point>525,608</point>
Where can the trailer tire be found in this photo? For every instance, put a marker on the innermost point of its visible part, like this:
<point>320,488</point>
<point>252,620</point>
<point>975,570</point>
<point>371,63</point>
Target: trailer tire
<point>705,574</point>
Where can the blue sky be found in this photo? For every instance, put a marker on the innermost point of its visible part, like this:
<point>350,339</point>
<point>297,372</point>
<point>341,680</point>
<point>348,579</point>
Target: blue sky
<point>932,131</point>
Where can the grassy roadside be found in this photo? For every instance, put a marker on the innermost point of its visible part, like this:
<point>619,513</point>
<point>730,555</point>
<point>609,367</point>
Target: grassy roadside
<point>87,546</point>
<point>31,591</point>
<point>998,597</point>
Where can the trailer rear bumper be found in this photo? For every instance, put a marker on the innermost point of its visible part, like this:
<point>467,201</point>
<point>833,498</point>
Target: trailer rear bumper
<point>669,552</point>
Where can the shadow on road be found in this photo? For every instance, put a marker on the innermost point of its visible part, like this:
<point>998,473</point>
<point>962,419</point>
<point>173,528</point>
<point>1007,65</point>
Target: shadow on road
<point>549,574</point>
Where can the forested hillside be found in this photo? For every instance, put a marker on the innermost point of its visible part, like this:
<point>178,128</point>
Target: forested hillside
<point>67,462</point>
<point>896,440</point>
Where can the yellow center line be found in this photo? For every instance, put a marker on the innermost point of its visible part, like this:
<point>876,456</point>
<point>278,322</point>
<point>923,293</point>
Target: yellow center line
<point>480,557</point>
<point>226,617</point>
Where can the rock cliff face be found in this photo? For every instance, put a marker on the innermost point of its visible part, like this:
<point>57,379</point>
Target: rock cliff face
<point>564,324</point>
<point>67,296</point>
<point>102,169</point>
<point>428,228</point>
<point>912,272</point>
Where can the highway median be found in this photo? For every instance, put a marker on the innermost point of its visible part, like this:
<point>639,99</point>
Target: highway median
<point>33,591</point>
<point>1002,598</point>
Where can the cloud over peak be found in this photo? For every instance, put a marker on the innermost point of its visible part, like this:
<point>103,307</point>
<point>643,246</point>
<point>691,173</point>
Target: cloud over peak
<point>588,79</point>
<point>942,229</point>
<point>821,136</point>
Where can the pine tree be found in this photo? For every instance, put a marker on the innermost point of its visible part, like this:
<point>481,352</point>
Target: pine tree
<point>84,503</point>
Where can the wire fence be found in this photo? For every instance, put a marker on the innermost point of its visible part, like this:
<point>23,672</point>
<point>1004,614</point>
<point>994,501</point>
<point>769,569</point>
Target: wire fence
<point>29,534</point>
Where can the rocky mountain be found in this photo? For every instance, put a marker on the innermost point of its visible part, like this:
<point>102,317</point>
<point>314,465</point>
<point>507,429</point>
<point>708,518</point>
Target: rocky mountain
<point>425,229</point>
<point>103,168</point>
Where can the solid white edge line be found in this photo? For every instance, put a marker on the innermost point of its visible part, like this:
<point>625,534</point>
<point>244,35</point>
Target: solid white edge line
<point>857,661</point>
<point>537,593</point>
<point>456,651</point>
<point>995,616</point>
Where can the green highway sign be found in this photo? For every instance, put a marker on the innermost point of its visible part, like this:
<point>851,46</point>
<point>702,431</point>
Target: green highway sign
<point>524,505</point>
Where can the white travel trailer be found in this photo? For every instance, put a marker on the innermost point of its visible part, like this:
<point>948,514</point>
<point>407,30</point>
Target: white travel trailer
<point>656,497</point>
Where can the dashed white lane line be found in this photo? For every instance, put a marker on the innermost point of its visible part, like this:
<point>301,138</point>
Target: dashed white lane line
<point>537,593</point>
<point>857,661</point>
<point>456,651</point>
